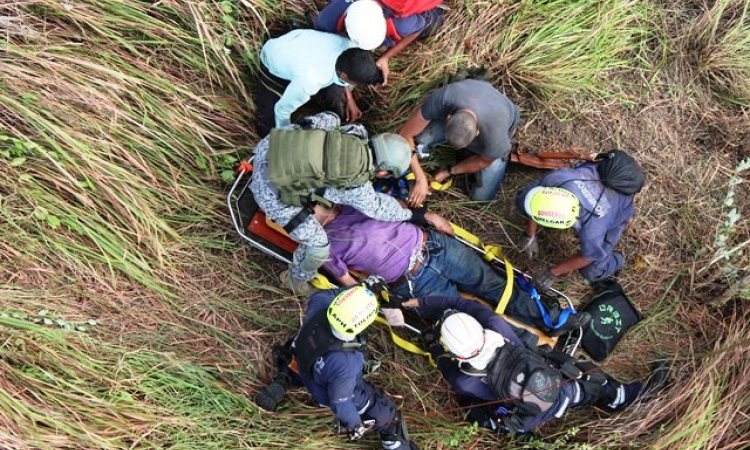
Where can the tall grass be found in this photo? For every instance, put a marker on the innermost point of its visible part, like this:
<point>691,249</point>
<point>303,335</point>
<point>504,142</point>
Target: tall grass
<point>557,51</point>
<point>717,46</point>
<point>118,120</point>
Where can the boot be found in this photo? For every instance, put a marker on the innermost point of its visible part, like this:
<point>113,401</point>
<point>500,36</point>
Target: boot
<point>298,287</point>
<point>399,438</point>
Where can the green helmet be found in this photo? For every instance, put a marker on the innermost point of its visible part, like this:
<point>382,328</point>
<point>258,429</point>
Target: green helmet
<point>392,153</point>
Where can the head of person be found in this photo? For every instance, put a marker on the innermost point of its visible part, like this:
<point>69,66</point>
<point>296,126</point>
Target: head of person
<point>552,207</point>
<point>351,312</point>
<point>464,338</point>
<point>365,24</point>
<point>461,128</point>
<point>392,155</point>
<point>357,66</point>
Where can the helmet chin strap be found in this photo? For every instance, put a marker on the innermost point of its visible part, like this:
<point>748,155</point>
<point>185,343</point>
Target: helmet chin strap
<point>493,341</point>
<point>341,336</point>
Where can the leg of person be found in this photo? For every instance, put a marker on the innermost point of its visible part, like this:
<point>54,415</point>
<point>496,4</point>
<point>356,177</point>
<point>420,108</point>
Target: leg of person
<point>599,270</point>
<point>488,181</point>
<point>268,90</point>
<point>388,421</point>
<point>433,19</point>
<point>332,98</point>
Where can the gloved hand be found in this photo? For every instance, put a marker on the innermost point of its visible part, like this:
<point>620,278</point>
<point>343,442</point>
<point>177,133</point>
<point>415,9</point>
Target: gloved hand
<point>543,280</point>
<point>378,286</point>
<point>357,432</point>
<point>530,245</point>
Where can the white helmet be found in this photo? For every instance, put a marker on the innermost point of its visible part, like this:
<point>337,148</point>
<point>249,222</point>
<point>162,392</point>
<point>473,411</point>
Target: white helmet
<point>462,335</point>
<point>365,24</point>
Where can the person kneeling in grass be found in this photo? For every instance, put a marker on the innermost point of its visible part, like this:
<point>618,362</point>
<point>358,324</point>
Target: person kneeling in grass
<point>330,357</point>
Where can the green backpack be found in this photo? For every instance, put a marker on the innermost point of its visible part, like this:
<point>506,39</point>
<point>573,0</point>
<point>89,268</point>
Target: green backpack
<point>301,161</point>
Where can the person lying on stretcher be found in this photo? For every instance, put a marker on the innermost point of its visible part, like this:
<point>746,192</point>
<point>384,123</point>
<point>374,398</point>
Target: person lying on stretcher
<point>419,263</point>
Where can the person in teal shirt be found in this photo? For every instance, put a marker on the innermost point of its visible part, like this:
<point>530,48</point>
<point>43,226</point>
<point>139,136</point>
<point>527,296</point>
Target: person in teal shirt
<point>304,64</point>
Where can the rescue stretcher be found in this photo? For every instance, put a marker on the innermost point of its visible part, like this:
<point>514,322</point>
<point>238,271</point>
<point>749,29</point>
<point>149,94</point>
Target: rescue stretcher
<point>260,232</point>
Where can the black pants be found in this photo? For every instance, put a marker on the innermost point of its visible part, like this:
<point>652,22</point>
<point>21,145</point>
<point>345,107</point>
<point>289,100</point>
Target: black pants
<point>269,89</point>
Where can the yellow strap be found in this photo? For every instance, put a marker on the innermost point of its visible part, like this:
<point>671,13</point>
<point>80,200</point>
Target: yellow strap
<point>491,252</point>
<point>438,186</point>
<point>321,283</point>
<point>508,292</point>
<point>403,343</point>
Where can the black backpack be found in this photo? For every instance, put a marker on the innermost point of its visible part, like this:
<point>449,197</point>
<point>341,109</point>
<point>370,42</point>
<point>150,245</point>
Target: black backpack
<point>612,315</point>
<point>524,378</point>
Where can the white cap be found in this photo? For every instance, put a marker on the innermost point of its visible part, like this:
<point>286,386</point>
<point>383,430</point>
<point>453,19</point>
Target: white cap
<point>365,24</point>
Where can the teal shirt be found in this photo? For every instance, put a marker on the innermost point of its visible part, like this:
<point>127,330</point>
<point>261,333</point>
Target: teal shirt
<point>307,58</point>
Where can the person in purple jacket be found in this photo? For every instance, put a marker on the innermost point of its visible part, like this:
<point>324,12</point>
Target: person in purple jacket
<point>330,358</point>
<point>471,341</point>
<point>580,199</point>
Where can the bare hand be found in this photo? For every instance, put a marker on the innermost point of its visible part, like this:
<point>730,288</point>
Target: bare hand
<point>419,192</point>
<point>352,111</point>
<point>411,303</point>
<point>382,64</point>
<point>442,175</point>
<point>440,223</point>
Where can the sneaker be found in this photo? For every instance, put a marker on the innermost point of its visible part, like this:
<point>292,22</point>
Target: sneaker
<point>575,321</point>
<point>660,371</point>
<point>298,287</point>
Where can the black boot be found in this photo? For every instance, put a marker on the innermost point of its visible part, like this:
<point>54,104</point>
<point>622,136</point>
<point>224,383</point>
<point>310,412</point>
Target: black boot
<point>398,439</point>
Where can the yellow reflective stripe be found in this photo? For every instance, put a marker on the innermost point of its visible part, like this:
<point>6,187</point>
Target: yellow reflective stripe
<point>403,343</point>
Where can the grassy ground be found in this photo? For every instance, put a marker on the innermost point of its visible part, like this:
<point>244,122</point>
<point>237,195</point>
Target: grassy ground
<point>132,317</point>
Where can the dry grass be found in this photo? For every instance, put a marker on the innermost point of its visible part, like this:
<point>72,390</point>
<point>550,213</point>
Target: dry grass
<point>119,118</point>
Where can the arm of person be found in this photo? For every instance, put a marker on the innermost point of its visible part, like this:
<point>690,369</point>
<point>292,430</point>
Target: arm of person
<point>347,280</point>
<point>385,58</point>
<point>414,125</point>
<point>295,95</point>
<point>421,187</point>
<point>341,380</point>
<point>353,113</point>
<point>531,228</point>
<point>440,223</point>
<point>575,262</point>
<point>472,164</point>
<point>481,312</point>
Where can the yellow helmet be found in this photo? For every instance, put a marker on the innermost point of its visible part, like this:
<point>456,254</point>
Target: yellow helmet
<point>352,311</point>
<point>552,207</point>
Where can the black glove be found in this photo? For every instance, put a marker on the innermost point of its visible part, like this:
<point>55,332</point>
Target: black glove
<point>417,216</point>
<point>543,280</point>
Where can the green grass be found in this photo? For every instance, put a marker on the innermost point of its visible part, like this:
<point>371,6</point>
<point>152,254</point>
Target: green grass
<point>120,122</point>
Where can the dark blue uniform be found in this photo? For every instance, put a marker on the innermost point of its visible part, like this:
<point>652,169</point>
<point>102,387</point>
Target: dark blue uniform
<point>475,390</point>
<point>337,381</point>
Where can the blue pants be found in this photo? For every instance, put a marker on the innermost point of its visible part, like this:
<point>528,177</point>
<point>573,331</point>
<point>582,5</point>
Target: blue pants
<point>449,267</point>
<point>599,270</point>
<point>488,180</point>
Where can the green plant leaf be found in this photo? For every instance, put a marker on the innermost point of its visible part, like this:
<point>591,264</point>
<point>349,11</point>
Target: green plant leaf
<point>17,161</point>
